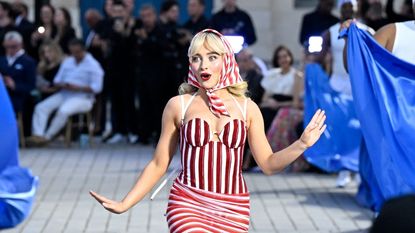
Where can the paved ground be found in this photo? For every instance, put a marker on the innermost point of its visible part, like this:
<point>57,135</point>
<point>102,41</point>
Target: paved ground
<point>279,203</point>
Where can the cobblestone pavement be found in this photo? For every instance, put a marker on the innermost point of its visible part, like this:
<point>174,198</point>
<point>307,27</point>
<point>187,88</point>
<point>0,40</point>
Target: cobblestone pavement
<point>280,203</point>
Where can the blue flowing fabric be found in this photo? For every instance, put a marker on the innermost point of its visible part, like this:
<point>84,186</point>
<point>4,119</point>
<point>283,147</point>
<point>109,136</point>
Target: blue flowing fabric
<point>338,148</point>
<point>384,93</point>
<point>17,184</point>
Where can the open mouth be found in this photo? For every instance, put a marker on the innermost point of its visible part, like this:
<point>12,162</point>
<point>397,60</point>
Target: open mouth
<point>205,76</point>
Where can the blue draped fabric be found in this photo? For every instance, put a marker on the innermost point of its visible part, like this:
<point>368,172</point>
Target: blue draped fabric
<point>338,148</point>
<point>17,184</point>
<point>384,93</point>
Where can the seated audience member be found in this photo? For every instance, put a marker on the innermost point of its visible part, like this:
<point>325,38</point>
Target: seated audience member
<point>284,128</point>
<point>18,70</point>
<point>251,73</point>
<point>79,78</point>
<point>278,84</point>
<point>50,59</point>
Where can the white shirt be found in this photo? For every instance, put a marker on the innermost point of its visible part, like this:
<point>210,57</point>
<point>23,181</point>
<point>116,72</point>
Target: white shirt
<point>276,83</point>
<point>339,79</point>
<point>18,20</point>
<point>403,47</point>
<point>12,59</point>
<point>89,38</point>
<point>86,73</point>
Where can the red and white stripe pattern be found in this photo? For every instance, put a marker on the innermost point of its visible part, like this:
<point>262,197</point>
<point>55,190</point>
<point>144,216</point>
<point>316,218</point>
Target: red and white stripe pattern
<point>210,193</point>
<point>194,210</point>
<point>214,166</point>
<point>229,76</point>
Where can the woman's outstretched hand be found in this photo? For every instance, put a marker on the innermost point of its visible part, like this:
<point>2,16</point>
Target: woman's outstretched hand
<point>314,129</point>
<point>110,205</point>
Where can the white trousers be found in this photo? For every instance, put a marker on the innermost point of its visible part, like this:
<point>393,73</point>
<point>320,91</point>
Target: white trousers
<point>65,105</point>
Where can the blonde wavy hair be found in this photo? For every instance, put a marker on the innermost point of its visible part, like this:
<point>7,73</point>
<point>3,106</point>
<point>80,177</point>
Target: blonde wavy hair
<point>212,42</point>
<point>44,64</point>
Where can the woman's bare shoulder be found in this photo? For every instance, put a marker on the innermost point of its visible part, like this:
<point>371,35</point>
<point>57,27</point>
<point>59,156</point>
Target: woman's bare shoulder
<point>174,105</point>
<point>388,28</point>
<point>176,102</point>
<point>385,36</point>
<point>178,98</point>
<point>253,115</point>
<point>173,109</point>
<point>252,109</point>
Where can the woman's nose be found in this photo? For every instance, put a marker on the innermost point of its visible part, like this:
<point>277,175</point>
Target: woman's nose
<point>203,65</point>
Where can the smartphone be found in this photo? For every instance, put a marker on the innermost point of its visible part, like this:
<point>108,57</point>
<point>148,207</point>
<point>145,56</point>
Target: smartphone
<point>315,44</point>
<point>41,29</point>
<point>237,42</point>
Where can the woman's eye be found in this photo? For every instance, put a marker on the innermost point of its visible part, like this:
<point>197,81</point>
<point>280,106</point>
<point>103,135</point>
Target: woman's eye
<point>212,58</point>
<point>195,59</point>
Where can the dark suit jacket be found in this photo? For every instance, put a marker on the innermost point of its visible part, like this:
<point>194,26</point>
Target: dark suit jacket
<point>239,21</point>
<point>23,72</point>
<point>26,28</point>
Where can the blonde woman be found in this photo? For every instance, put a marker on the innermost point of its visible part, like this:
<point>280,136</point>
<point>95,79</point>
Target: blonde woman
<point>50,59</point>
<point>211,120</point>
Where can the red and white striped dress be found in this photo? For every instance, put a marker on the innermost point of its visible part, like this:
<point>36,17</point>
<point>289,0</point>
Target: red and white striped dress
<point>210,193</point>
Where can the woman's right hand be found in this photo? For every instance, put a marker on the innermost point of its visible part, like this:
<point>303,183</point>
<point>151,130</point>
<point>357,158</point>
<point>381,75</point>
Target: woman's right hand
<point>35,37</point>
<point>110,205</point>
<point>346,24</point>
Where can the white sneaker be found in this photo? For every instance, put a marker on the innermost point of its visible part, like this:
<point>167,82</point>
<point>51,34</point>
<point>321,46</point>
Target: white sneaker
<point>116,138</point>
<point>343,179</point>
<point>132,138</point>
<point>357,179</point>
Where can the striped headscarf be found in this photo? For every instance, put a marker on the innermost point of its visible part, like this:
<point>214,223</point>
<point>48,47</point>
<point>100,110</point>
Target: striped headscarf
<point>228,77</point>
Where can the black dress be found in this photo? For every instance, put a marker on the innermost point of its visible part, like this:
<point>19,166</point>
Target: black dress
<point>49,75</point>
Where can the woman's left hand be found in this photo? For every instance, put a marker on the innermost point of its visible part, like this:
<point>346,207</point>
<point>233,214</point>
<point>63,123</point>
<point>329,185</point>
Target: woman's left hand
<point>110,205</point>
<point>314,129</point>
